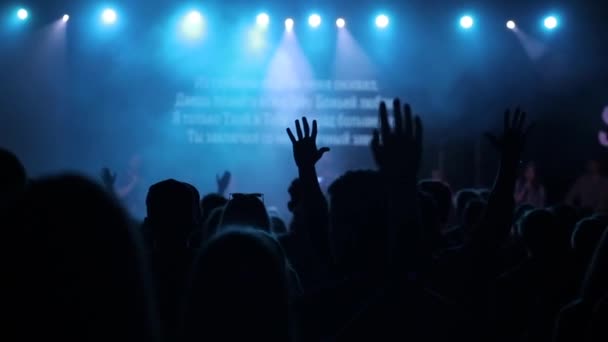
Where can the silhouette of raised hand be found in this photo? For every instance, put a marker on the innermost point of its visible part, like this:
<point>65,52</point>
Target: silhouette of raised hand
<point>223,182</point>
<point>108,178</point>
<point>398,151</point>
<point>511,143</point>
<point>305,151</point>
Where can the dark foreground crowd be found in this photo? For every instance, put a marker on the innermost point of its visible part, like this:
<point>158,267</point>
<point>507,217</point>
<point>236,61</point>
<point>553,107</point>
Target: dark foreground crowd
<point>384,257</point>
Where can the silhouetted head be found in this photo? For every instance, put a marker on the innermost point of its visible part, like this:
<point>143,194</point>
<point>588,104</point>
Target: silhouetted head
<point>472,215</point>
<point>210,202</point>
<point>567,218</point>
<point>484,194</point>
<point>239,289</point>
<point>358,214</point>
<point>81,270</point>
<point>462,198</point>
<point>198,213</point>
<point>522,210</point>
<point>586,237</point>
<point>246,210</point>
<point>13,178</point>
<point>430,220</point>
<point>442,195</point>
<point>173,212</point>
<point>295,194</point>
<point>542,236</point>
<point>278,225</point>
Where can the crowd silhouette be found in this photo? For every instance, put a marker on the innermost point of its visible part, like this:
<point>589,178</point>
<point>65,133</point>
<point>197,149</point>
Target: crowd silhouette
<point>383,255</point>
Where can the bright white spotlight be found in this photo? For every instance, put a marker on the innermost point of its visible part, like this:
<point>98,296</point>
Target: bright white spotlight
<point>511,25</point>
<point>550,22</point>
<point>109,16</point>
<point>340,22</point>
<point>288,24</point>
<point>192,25</point>
<point>65,18</point>
<point>22,14</point>
<point>382,21</point>
<point>314,20</point>
<point>262,19</point>
<point>466,22</point>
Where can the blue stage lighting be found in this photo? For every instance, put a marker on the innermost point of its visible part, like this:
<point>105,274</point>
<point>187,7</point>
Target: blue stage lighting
<point>340,22</point>
<point>109,16</point>
<point>288,24</point>
<point>193,24</point>
<point>262,20</point>
<point>314,20</point>
<point>65,18</point>
<point>511,25</point>
<point>382,21</point>
<point>22,14</point>
<point>550,22</point>
<point>466,22</point>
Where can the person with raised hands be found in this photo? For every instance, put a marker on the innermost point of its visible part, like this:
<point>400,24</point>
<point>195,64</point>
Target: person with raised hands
<point>311,214</point>
<point>397,152</point>
<point>496,222</point>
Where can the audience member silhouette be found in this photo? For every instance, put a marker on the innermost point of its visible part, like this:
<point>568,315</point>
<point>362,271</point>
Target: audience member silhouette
<point>81,273</point>
<point>584,318</point>
<point>531,296</point>
<point>239,290</point>
<point>13,178</point>
<point>173,214</point>
<point>246,210</point>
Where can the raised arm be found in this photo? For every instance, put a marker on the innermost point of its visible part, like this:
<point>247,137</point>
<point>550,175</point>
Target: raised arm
<point>223,182</point>
<point>398,153</point>
<point>313,212</point>
<point>497,219</point>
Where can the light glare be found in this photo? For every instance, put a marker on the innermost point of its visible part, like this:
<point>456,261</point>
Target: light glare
<point>314,20</point>
<point>340,22</point>
<point>382,21</point>
<point>466,22</point>
<point>65,18</point>
<point>262,19</point>
<point>192,25</point>
<point>511,25</point>
<point>288,24</point>
<point>109,16</point>
<point>550,22</point>
<point>22,14</point>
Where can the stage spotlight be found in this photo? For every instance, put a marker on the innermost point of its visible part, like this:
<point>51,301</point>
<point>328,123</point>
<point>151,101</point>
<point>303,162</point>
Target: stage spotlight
<point>314,20</point>
<point>550,22</point>
<point>262,19</point>
<point>22,14</point>
<point>340,22</point>
<point>511,25</point>
<point>466,22</point>
<point>109,16</point>
<point>288,24</point>
<point>382,21</point>
<point>65,18</point>
<point>192,25</point>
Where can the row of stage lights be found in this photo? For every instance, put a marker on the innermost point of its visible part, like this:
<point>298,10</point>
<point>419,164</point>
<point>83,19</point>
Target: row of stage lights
<point>193,21</point>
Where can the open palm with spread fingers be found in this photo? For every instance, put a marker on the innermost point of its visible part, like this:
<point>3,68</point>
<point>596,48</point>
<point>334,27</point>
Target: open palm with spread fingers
<point>398,151</point>
<point>305,151</point>
<point>511,143</point>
